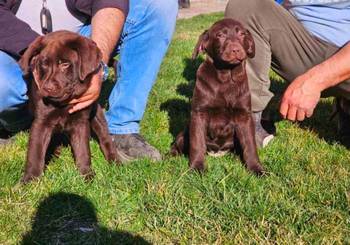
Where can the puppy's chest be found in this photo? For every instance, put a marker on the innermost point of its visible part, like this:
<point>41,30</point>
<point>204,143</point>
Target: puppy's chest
<point>227,99</point>
<point>60,120</point>
<point>225,107</point>
<point>232,94</point>
<point>220,131</point>
<point>64,124</point>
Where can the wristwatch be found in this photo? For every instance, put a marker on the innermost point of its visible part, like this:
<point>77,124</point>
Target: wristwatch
<point>105,71</point>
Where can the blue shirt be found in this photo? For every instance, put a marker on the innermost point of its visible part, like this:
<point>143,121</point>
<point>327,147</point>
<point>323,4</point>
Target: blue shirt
<point>328,20</point>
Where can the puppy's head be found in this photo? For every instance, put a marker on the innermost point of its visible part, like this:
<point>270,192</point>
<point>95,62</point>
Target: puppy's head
<point>62,64</point>
<point>227,42</point>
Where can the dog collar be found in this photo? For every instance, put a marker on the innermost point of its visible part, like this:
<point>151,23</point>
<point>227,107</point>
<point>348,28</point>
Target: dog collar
<point>105,71</point>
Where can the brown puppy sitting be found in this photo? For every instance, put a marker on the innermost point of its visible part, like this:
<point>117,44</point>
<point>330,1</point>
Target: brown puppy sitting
<point>221,104</point>
<point>59,67</point>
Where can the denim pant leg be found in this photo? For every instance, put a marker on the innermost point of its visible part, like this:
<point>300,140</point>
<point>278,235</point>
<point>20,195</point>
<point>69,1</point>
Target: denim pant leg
<point>13,99</point>
<point>146,36</point>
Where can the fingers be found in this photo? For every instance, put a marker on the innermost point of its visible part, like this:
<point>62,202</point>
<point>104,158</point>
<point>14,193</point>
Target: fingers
<point>89,96</point>
<point>292,113</point>
<point>288,111</point>
<point>300,115</point>
<point>80,106</point>
<point>299,100</point>
<point>309,113</point>
<point>84,98</point>
<point>295,114</point>
<point>82,102</point>
<point>284,109</point>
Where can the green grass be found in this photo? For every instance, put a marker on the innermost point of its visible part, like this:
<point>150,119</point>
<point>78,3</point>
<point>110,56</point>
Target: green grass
<point>304,199</point>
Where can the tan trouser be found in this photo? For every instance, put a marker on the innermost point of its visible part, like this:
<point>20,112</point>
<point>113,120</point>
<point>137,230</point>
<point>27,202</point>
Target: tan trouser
<point>281,43</point>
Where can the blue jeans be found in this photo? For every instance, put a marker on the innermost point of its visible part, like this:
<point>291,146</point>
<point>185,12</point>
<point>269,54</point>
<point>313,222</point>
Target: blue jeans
<point>145,38</point>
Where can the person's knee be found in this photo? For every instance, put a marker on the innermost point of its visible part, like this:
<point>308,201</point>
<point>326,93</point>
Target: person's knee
<point>13,88</point>
<point>163,14</point>
<point>9,95</point>
<point>164,9</point>
<point>243,10</point>
<point>6,100</point>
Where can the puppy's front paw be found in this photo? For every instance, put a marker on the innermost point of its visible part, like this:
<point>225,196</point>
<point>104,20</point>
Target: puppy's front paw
<point>174,151</point>
<point>88,177</point>
<point>28,178</point>
<point>114,156</point>
<point>30,174</point>
<point>256,169</point>
<point>198,166</point>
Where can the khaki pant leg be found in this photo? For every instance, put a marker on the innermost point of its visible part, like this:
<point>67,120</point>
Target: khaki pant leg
<point>281,43</point>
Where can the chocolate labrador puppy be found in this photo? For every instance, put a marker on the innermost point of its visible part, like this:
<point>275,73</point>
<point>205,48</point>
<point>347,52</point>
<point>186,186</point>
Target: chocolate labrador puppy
<point>221,104</point>
<point>59,68</point>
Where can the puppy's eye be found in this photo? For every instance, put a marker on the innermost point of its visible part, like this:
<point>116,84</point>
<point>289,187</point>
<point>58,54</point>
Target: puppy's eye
<point>241,32</point>
<point>44,63</point>
<point>220,35</point>
<point>64,64</point>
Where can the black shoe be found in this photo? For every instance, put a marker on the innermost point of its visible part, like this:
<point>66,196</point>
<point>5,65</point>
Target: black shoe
<point>134,146</point>
<point>343,127</point>
<point>262,137</point>
<point>5,138</point>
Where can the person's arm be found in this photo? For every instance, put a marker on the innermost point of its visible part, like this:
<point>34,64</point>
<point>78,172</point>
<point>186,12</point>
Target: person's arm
<point>15,35</point>
<point>303,94</point>
<point>107,25</point>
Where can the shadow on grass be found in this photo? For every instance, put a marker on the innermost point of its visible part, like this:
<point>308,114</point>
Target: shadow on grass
<point>179,109</point>
<point>322,124</point>
<point>65,218</point>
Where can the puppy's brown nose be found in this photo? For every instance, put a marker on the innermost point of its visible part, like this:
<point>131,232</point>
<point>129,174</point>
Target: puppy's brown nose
<point>236,50</point>
<point>235,47</point>
<point>49,87</point>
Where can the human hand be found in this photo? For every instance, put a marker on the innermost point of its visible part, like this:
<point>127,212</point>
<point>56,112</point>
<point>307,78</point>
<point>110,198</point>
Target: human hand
<point>300,98</point>
<point>90,96</point>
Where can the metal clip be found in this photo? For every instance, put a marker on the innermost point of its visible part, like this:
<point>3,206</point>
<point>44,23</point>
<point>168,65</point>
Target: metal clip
<point>45,19</point>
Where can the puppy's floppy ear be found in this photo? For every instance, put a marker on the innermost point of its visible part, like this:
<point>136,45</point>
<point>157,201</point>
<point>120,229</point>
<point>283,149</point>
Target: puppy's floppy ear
<point>249,44</point>
<point>201,44</point>
<point>89,54</point>
<point>34,49</point>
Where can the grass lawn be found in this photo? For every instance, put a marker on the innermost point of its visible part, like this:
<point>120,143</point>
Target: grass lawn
<point>304,199</point>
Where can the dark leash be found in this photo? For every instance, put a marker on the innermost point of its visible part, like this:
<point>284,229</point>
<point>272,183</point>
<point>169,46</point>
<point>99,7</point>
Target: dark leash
<point>45,19</point>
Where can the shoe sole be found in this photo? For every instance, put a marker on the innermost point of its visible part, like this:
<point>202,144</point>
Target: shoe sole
<point>124,158</point>
<point>267,140</point>
<point>6,142</point>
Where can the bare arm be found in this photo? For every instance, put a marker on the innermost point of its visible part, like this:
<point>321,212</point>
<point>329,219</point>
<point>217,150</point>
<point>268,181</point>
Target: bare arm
<point>303,94</point>
<point>106,25</point>
<point>333,70</point>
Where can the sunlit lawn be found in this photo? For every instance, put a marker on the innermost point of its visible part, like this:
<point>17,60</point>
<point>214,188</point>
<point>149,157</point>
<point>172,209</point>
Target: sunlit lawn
<point>304,199</point>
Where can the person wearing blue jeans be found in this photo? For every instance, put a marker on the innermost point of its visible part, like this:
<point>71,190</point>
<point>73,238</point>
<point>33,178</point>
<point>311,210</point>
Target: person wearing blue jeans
<point>141,39</point>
